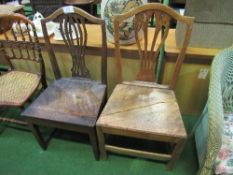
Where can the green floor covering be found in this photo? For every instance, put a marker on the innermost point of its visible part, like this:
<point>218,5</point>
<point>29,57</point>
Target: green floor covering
<point>21,155</point>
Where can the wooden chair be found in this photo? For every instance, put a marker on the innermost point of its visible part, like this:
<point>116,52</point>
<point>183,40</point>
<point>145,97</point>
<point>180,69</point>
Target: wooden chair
<point>143,109</point>
<point>71,103</point>
<point>16,87</point>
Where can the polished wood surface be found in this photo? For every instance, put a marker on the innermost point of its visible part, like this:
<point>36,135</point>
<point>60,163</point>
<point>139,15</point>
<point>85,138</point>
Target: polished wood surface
<point>138,108</point>
<point>74,101</point>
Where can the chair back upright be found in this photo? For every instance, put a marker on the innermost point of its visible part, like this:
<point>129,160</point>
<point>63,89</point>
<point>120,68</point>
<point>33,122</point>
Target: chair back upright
<point>149,46</point>
<point>72,24</point>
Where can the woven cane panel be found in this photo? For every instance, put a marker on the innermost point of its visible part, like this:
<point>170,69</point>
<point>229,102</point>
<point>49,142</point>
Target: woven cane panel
<point>16,87</point>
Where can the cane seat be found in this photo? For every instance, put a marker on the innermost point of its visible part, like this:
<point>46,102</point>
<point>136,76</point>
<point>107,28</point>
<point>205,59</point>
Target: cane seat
<point>16,87</point>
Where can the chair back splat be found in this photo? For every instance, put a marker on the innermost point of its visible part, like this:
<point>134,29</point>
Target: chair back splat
<point>72,27</point>
<point>149,46</point>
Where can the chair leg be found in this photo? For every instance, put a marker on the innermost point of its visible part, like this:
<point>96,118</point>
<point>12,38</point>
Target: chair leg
<point>93,141</point>
<point>175,154</point>
<point>22,107</point>
<point>2,127</point>
<point>37,134</point>
<point>44,84</point>
<point>101,139</point>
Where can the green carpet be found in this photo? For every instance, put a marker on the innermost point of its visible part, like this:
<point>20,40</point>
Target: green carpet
<point>21,155</point>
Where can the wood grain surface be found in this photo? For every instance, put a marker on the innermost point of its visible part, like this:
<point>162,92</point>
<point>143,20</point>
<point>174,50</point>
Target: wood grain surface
<point>143,109</point>
<point>69,100</point>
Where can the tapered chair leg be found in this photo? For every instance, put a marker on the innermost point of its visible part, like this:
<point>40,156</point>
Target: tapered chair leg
<point>100,135</point>
<point>94,143</point>
<point>37,134</point>
<point>175,154</point>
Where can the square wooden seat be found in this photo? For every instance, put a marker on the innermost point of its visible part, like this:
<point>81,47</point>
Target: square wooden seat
<point>71,101</point>
<point>139,109</point>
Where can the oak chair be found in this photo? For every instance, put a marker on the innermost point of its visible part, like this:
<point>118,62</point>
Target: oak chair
<point>143,109</point>
<point>16,44</point>
<point>71,103</point>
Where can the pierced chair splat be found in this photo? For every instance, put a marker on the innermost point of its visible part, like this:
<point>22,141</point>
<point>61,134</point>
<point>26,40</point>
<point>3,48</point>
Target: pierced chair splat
<point>72,103</point>
<point>143,109</point>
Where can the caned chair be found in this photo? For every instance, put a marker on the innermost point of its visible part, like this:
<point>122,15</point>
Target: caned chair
<point>71,103</point>
<point>16,44</point>
<point>143,109</point>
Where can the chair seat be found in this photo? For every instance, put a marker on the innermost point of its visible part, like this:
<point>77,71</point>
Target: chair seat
<point>141,108</point>
<point>16,87</point>
<point>69,100</point>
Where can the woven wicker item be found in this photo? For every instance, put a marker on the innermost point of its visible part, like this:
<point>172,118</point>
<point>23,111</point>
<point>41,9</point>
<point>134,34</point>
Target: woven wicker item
<point>220,100</point>
<point>16,87</point>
